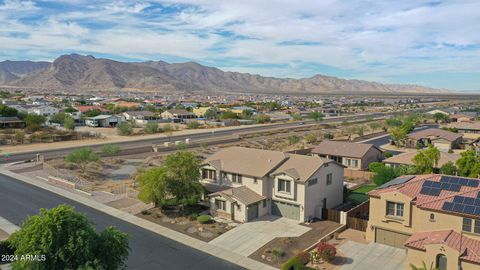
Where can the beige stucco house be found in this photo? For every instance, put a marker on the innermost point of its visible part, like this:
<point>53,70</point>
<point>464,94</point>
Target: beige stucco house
<point>248,183</point>
<point>355,156</point>
<point>442,139</point>
<point>436,218</point>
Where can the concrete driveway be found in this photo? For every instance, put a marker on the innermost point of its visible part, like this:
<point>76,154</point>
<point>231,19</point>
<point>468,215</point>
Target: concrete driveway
<point>248,237</point>
<point>372,256</point>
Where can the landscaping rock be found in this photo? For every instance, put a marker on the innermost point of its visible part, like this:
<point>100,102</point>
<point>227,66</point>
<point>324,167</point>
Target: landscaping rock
<point>192,230</point>
<point>205,234</point>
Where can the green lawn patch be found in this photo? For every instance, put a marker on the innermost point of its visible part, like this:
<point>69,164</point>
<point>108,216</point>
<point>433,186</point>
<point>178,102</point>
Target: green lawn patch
<point>359,195</point>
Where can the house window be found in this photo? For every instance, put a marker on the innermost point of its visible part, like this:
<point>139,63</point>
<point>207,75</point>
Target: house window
<point>283,185</point>
<point>432,217</point>
<point>236,178</point>
<point>347,162</point>
<point>441,263</point>
<point>329,179</point>
<point>471,225</point>
<point>395,209</point>
<point>354,163</point>
<point>220,204</point>
<point>209,174</point>
<point>312,182</point>
<point>264,203</point>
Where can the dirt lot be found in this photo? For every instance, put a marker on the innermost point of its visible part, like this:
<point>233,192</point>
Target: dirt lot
<point>182,224</point>
<point>293,245</point>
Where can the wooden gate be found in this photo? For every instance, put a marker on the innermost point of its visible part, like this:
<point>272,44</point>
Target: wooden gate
<point>357,224</point>
<point>330,214</point>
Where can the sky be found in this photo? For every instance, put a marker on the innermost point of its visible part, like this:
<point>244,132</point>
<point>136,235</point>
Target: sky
<point>431,43</point>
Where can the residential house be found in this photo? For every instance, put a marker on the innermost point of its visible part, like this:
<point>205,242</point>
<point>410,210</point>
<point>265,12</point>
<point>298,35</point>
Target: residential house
<point>407,159</point>
<point>248,183</point>
<point>140,117</point>
<point>241,109</point>
<point>279,117</point>
<point>436,218</point>
<point>461,117</point>
<point>442,139</point>
<point>468,130</point>
<point>103,121</point>
<point>177,114</point>
<point>37,109</point>
<point>355,156</point>
<point>11,122</point>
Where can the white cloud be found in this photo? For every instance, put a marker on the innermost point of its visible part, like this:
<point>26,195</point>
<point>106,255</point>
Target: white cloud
<point>370,39</point>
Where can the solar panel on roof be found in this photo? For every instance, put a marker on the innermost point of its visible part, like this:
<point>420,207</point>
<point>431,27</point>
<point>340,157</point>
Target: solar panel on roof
<point>448,206</point>
<point>458,199</point>
<point>469,209</point>
<point>436,184</point>
<point>469,201</point>
<point>457,207</point>
<point>463,181</point>
<point>477,211</point>
<point>427,183</point>
<point>472,183</point>
<point>435,192</point>
<point>454,187</point>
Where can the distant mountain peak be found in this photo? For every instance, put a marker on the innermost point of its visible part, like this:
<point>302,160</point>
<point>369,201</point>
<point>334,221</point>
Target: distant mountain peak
<point>85,72</point>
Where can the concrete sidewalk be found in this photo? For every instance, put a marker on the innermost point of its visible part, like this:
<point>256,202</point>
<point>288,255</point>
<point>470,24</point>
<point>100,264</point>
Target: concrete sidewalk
<point>174,235</point>
<point>7,226</point>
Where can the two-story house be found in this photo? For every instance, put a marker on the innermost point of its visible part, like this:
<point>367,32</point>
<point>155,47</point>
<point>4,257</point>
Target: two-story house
<point>435,217</point>
<point>248,183</point>
<point>356,156</point>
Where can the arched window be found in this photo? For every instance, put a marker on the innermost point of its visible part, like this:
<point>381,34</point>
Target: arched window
<point>441,262</point>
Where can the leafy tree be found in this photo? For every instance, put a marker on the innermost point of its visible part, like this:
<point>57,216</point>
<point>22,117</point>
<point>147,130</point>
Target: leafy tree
<point>93,113</point>
<point>328,136</point>
<point>272,106</point>
<point>374,165</point>
<point>383,174</point>
<point>175,181</point>
<point>193,125</point>
<point>228,115</point>
<point>469,164</point>
<point>70,110</point>
<point>124,129</point>
<point>34,121</point>
<point>19,136</point>
<point>374,126</point>
<point>151,128</point>
<point>6,111</point>
<point>387,154</point>
<point>58,118</point>
<point>262,118</point>
<point>440,117</point>
<point>110,149</point>
<point>408,126</point>
<point>68,122</point>
<point>398,135</point>
<point>393,122</point>
<point>317,116</point>
<point>68,241</point>
<point>82,156</point>
<point>427,160</point>
<point>211,113</point>
<point>448,168</point>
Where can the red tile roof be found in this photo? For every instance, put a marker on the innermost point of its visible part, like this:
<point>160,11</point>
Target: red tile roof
<point>87,108</point>
<point>469,248</point>
<point>412,189</point>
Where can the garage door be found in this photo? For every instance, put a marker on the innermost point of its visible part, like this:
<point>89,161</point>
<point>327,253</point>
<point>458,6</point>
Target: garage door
<point>252,211</point>
<point>285,210</point>
<point>390,238</point>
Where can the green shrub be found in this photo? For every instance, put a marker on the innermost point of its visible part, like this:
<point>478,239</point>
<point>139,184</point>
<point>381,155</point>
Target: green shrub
<point>293,264</point>
<point>388,154</point>
<point>203,219</point>
<point>278,252</point>
<point>124,129</point>
<point>146,212</point>
<point>193,216</point>
<point>151,128</point>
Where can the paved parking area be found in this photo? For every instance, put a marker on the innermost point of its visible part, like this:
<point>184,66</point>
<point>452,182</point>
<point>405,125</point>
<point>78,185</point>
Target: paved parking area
<point>248,237</point>
<point>372,256</point>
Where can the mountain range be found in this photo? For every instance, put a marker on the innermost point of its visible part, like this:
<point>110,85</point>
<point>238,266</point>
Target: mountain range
<point>79,72</point>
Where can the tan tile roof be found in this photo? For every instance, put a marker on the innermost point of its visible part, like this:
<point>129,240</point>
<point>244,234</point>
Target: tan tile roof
<point>241,194</point>
<point>246,161</point>
<point>466,125</point>
<point>468,247</point>
<point>301,167</point>
<point>345,149</point>
<point>435,133</point>
<point>407,158</point>
<point>413,187</point>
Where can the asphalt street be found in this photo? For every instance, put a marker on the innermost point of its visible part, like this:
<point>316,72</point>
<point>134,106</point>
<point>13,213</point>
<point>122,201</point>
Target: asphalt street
<point>148,250</point>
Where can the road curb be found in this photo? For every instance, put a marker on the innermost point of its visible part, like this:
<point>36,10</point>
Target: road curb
<point>145,224</point>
